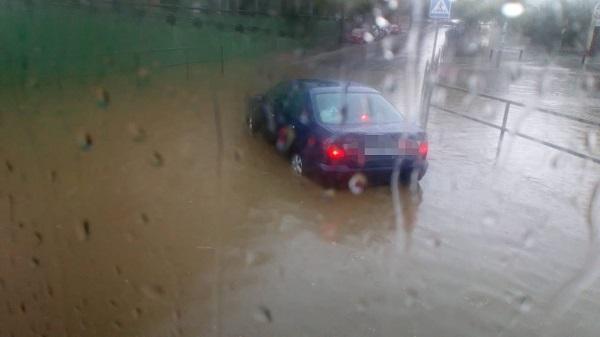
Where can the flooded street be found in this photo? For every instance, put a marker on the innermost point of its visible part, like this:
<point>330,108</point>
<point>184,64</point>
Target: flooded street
<point>145,208</point>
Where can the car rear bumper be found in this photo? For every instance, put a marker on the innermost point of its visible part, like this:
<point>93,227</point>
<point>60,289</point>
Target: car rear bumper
<point>344,171</point>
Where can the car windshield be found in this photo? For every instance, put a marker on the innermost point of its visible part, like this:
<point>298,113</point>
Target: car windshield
<point>355,108</point>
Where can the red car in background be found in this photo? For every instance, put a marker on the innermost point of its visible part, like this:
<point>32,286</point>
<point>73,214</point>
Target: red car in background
<point>395,29</point>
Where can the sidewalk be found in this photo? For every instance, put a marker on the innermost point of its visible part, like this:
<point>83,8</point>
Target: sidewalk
<point>531,56</point>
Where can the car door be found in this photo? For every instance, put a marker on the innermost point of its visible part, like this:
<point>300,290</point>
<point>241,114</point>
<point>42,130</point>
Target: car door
<point>274,109</point>
<point>297,117</point>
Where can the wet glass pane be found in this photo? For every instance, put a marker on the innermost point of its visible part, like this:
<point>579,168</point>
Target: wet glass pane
<point>299,168</point>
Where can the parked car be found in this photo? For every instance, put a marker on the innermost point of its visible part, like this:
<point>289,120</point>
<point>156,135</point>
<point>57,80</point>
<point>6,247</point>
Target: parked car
<point>379,32</point>
<point>338,130</point>
<point>395,29</point>
<point>359,36</point>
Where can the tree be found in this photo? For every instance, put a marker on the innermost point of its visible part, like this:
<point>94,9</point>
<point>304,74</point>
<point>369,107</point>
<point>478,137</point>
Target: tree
<point>474,11</point>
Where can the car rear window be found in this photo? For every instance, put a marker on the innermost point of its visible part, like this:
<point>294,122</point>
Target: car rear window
<point>355,108</point>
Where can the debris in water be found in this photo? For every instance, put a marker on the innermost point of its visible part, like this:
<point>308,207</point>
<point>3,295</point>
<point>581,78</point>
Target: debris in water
<point>153,291</point>
<point>85,141</point>
<point>38,238</point>
<point>435,242</point>
<point>237,155</point>
<point>84,231</point>
<point>102,97</point>
<point>158,159</point>
<point>263,315</point>
<point>137,133</point>
<point>118,324</point>
<point>137,312</point>
<point>524,304</point>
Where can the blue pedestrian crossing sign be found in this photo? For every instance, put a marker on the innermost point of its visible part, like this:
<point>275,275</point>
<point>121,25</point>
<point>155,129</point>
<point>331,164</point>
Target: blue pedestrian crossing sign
<point>440,9</point>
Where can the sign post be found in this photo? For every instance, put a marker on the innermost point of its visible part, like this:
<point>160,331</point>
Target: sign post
<point>438,10</point>
<point>594,30</point>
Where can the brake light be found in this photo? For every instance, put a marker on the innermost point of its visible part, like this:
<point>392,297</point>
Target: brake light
<point>334,152</point>
<point>423,149</point>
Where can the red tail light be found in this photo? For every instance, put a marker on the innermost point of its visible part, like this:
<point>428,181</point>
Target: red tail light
<point>335,152</point>
<point>423,149</point>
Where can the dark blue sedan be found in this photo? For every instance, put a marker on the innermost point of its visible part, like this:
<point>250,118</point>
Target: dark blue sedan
<point>344,131</point>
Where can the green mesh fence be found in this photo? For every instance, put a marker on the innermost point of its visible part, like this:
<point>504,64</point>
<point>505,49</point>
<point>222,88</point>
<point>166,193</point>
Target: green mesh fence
<point>61,39</point>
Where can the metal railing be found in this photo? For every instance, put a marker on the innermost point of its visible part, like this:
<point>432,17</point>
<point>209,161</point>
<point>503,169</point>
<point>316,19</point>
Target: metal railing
<point>236,9</point>
<point>500,51</point>
<point>428,93</point>
<point>136,56</point>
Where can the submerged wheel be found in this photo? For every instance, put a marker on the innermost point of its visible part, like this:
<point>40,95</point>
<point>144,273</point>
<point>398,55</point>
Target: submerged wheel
<point>357,184</point>
<point>251,124</point>
<point>297,164</point>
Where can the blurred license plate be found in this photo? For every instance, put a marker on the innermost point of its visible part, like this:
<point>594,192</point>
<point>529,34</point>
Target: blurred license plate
<point>381,151</point>
<point>407,146</point>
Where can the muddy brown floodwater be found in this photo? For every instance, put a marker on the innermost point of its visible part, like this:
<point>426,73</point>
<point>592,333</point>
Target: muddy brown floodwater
<point>146,209</point>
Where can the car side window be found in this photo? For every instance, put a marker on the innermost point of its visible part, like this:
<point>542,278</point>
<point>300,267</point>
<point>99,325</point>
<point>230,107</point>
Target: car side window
<point>277,96</point>
<point>294,104</point>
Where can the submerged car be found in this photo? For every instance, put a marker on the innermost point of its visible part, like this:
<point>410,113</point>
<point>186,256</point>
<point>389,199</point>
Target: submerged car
<point>346,132</point>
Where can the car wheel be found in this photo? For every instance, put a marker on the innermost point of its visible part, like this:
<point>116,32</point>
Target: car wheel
<point>297,164</point>
<point>357,184</point>
<point>251,123</point>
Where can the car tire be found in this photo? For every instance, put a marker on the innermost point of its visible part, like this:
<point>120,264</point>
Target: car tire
<point>357,183</point>
<point>297,164</point>
<point>251,124</point>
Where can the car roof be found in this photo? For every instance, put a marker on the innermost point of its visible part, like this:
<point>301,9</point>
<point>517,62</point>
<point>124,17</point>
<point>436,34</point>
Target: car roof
<point>319,86</point>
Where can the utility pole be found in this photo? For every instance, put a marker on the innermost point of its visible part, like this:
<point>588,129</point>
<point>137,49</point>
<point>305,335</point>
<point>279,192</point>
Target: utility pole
<point>502,42</point>
<point>435,38</point>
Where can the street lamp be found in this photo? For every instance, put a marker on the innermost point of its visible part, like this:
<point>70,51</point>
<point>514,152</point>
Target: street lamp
<point>511,9</point>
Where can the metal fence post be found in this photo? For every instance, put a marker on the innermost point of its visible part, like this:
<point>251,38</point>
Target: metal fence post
<point>503,129</point>
<point>499,57</point>
<point>187,64</point>
<point>423,87</point>
<point>222,61</point>
<point>429,90</point>
<point>137,61</point>
<point>437,31</point>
